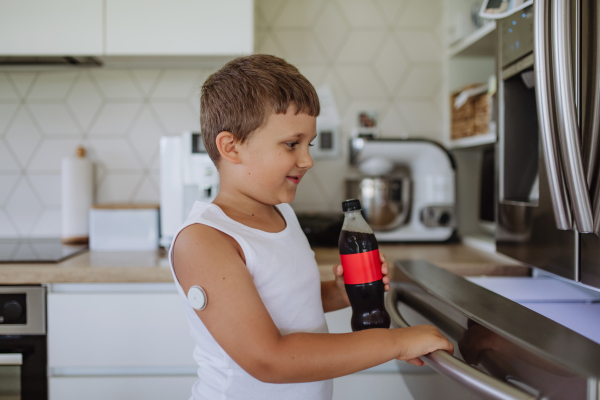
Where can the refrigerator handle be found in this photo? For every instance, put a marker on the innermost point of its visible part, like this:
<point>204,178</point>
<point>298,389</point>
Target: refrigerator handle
<point>457,370</point>
<point>591,125</point>
<point>597,208</point>
<point>545,108</point>
<point>593,129</point>
<point>567,116</point>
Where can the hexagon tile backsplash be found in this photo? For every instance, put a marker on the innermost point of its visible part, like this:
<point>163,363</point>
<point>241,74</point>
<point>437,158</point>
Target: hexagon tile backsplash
<point>381,55</point>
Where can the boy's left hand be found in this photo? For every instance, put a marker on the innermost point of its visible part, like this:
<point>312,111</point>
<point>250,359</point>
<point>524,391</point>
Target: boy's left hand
<point>338,270</point>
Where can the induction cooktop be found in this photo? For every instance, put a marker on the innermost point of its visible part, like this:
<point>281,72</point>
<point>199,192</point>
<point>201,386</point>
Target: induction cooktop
<point>38,250</point>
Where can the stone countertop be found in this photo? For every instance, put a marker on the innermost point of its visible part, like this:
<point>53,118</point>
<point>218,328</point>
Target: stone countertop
<point>115,267</point>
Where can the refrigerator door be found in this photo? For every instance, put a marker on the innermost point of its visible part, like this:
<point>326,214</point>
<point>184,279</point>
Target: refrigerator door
<point>532,200</point>
<point>590,242</point>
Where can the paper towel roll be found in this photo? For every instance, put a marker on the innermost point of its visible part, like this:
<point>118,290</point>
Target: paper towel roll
<point>77,197</point>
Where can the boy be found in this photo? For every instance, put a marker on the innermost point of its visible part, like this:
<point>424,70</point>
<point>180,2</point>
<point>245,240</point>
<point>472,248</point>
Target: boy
<point>263,334</point>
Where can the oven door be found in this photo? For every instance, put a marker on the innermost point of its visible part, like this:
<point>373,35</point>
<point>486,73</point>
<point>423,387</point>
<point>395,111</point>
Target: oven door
<point>10,376</point>
<point>502,349</point>
<point>23,374</point>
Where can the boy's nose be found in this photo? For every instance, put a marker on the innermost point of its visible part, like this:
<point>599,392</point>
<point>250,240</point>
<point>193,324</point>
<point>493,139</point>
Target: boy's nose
<point>305,160</point>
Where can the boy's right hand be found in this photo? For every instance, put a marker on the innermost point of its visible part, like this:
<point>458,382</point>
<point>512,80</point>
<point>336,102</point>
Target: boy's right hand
<point>419,340</point>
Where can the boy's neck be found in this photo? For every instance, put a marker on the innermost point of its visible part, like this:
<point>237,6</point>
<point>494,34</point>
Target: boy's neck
<point>248,211</point>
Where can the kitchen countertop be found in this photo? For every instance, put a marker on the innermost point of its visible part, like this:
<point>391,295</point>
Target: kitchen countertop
<point>154,267</point>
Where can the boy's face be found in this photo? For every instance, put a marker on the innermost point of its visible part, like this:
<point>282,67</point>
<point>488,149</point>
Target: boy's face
<point>276,157</point>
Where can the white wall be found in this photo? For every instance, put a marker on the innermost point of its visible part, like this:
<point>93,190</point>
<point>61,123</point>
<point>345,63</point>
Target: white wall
<point>383,55</point>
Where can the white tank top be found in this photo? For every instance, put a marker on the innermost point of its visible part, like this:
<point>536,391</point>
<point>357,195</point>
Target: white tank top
<point>287,278</point>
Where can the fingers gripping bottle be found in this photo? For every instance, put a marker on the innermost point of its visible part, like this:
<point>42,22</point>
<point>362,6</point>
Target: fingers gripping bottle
<point>362,270</point>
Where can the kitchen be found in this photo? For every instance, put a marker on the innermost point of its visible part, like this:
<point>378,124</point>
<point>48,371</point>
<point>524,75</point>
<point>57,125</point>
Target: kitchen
<point>381,68</point>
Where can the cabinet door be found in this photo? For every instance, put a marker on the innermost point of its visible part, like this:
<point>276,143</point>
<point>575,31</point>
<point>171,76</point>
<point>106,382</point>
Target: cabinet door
<point>121,388</point>
<point>117,330</point>
<point>179,27</point>
<point>58,27</point>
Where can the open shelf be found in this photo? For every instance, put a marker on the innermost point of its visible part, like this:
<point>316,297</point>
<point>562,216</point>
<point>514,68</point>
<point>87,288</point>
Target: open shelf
<point>472,141</point>
<point>480,43</point>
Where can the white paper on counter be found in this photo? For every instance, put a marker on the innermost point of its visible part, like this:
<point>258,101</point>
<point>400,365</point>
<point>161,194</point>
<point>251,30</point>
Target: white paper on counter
<point>528,290</point>
<point>583,318</point>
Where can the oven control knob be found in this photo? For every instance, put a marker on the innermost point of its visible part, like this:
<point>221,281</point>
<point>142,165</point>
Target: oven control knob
<point>11,311</point>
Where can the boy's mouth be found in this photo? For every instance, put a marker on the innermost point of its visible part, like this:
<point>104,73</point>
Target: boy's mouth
<point>294,179</point>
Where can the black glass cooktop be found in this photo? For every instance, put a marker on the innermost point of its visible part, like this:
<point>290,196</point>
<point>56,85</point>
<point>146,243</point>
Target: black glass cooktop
<point>26,250</point>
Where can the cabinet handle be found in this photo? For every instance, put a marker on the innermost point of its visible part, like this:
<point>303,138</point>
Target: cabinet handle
<point>457,370</point>
<point>545,107</point>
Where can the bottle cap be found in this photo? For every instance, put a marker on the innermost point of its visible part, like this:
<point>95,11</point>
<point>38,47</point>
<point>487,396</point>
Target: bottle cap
<point>351,205</point>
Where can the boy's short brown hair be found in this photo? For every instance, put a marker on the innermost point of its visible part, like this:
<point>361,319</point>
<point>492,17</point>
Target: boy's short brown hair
<point>240,97</point>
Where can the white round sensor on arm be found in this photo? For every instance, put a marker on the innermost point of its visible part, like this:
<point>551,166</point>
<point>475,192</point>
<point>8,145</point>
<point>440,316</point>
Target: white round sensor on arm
<point>197,298</point>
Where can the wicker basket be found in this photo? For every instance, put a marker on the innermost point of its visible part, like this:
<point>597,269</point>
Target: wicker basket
<point>473,118</point>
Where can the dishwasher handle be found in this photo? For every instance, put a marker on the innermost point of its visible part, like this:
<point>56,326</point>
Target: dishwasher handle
<point>457,370</point>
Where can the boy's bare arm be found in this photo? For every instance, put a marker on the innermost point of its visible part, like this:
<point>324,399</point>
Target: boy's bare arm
<point>238,320</point>
<point>333,299</point>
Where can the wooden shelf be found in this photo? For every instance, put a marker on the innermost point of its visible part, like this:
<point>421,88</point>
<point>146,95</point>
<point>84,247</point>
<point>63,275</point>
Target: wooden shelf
<point>478,44</point>
<point>473,141</point>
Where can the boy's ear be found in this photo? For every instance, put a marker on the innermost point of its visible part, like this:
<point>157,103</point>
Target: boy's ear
<point>228,147</point>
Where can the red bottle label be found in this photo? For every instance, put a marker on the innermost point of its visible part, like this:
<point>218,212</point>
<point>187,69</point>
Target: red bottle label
<point>361,267</point>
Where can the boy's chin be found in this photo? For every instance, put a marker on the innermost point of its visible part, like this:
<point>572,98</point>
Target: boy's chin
<point>288,197</point>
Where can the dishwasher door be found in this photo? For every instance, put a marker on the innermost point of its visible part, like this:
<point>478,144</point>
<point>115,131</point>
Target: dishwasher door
<point>502,349</point>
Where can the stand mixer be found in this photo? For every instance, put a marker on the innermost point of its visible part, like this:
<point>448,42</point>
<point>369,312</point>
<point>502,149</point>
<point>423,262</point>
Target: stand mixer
<point>407,188</point>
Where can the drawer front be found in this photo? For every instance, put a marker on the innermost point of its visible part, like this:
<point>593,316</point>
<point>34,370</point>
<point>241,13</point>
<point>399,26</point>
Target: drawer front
<point>121,388</point>
<point>118,330</point>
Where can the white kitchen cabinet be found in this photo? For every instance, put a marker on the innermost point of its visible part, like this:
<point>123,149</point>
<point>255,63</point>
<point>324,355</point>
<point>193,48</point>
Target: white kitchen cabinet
<point>58,27</point>
<point>118,341</point>
<point>89,327</point>
<point>179,27</point>
<point>121,388</point>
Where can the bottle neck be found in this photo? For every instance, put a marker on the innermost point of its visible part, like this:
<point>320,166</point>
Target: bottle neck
<point>354,222</point>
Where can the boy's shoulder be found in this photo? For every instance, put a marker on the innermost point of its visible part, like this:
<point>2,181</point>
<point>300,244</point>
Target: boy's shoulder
<point>204,240</point>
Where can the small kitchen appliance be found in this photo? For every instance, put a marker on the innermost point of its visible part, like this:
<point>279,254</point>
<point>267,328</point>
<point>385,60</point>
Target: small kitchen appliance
<point>187,175</point>
<point>407,188</point>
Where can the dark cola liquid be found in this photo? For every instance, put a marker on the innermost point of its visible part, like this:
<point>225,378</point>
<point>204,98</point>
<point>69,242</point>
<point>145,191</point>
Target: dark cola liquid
<point>357,242</point>
<point>366,299</point>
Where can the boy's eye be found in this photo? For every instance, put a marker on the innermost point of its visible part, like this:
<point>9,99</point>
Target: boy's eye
<point>311,144</point>
<point>291,144</point>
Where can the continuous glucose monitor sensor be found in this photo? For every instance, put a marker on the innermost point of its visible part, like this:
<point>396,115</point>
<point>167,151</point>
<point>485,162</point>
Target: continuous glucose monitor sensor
<point>197,298</point>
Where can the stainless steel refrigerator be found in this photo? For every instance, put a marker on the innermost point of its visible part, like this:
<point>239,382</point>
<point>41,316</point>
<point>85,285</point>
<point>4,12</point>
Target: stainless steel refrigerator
<point>534,336</point>
<point>548,213</point>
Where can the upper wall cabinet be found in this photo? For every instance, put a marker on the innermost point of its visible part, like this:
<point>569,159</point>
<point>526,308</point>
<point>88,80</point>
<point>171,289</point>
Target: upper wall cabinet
<point>57,27</point>
<point>126,27</point>
<point>179,27</point>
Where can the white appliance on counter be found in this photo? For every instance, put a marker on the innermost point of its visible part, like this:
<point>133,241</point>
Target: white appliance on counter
<point>427,196</point>
<point>187,175</point>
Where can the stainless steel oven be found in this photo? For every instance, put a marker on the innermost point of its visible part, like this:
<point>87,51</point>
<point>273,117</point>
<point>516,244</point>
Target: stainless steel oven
<point>23,351</point>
